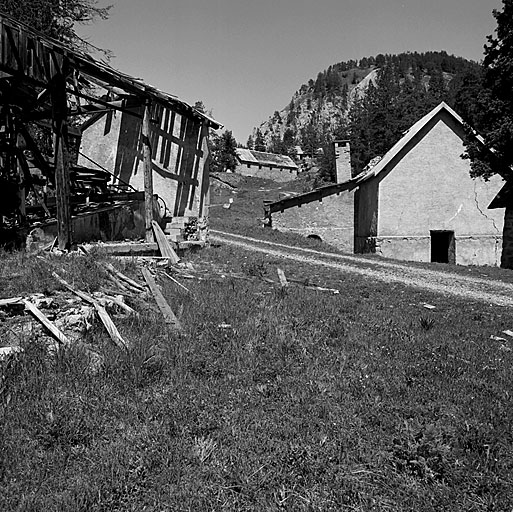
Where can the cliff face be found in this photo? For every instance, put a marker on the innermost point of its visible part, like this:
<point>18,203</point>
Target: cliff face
<point>319,107</point>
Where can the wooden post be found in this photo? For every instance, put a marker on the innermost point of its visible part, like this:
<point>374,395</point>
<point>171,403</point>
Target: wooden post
<point>148,173</point>
<point>62,179</point>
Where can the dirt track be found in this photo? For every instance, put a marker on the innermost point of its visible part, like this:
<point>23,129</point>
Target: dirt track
<point>445,283</point>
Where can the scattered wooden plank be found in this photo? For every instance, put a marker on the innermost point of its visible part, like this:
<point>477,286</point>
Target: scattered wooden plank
<point>6,352</point>
<point>131,249</point>
<point>109,291</point>
<point>118,283</point>
<point>283,280</point>
<point>124,278</point>
<point>121,304</point>
<point>176,282</point>
<point>54,331</point>
<point>165,309</point>
<point>102,313</point>
<point>110,326</point>
<point>165,247</point>
<point>11,302</point>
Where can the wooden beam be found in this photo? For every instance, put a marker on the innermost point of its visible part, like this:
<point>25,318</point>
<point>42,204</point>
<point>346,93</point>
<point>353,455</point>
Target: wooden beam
<point>164,246</point>
<point>62,179</point>
<point>55,332</point>
<point>148,173</point>
<point>167,312</point>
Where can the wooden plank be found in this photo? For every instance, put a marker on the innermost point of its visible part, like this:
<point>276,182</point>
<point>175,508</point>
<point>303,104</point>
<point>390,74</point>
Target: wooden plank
<point>165,309</point>
<point>148,174</point>
<point>102,313</point>
<point>127,249</point>
<point>283,280</point>
<point>54,331</point>
<point>110,326</point>
<point>62,179</point>
<point>11,302</point>
<point>123,277</point>
<point>121,304</point>
<point>176,282</point>
<point>165,247</point>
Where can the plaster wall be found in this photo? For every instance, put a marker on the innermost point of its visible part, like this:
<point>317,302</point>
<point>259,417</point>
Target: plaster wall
<point>275,174</point>
<point>180,155</point>
<point>331,219</point>
<point>470,250</point>
<point>430,188</point>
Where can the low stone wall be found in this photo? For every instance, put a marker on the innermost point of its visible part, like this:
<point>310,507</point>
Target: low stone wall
<point>332,220</point>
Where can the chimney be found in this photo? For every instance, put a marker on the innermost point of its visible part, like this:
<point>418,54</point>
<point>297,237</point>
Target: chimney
<point>342,160</point>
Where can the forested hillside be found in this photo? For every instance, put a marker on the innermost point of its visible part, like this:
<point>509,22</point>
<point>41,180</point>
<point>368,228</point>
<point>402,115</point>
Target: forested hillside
<point>370,102</point>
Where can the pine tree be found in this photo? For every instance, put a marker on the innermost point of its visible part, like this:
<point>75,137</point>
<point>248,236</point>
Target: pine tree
<point>493,109</point>
<point>223,154</point>
<point>259,143</point>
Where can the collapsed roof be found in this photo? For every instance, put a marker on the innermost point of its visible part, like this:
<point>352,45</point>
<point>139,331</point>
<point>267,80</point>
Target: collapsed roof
<point>30,61</point>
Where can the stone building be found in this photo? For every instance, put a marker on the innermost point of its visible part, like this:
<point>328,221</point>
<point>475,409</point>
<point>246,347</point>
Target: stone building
<point>270,166</point>
<point>417,203</point>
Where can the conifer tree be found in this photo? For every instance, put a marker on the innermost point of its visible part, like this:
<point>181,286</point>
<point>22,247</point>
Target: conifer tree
<point>259,144</point>
<point>223,154</point>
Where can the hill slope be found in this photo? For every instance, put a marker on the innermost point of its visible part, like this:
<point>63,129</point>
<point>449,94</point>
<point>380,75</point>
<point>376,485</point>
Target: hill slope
<point>335,104</point>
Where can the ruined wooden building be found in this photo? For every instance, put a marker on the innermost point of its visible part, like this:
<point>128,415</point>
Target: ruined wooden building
<point>417,203</point>
<point>88,152</point>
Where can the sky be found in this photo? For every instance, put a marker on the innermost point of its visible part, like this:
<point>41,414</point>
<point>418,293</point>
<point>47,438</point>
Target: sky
<point>245,58</point>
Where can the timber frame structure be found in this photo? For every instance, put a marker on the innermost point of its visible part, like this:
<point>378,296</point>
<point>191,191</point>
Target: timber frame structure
<point>45,83</point>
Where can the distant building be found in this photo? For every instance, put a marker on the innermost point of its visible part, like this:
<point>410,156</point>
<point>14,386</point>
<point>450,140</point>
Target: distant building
<point>417,203</point>
<point>299,153</point>
<point>265,165</point>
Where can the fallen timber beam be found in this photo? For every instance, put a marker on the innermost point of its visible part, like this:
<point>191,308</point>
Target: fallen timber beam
<point>165,309</point>
<point>55,332</point>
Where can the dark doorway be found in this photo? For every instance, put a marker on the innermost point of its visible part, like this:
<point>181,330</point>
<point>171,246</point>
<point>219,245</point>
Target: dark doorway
<point>443,247</point>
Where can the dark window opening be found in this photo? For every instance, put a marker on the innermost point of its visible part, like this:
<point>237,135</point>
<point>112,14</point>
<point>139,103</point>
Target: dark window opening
<point>443,247</point>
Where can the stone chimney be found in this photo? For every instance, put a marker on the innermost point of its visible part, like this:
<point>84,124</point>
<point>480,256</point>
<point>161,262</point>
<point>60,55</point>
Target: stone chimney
<point>342,160</point>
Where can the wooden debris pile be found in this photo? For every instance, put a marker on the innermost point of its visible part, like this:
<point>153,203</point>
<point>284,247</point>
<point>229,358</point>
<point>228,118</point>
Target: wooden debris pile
<point>64,319</point>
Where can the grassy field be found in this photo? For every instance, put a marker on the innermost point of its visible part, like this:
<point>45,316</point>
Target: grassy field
<point>270,399</point>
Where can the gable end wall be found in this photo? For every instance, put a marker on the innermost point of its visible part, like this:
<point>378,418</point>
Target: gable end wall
<point>430,188</point>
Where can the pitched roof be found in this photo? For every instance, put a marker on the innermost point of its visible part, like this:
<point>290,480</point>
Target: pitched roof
<point>389,157</point>
<point>248,156</point>
<point>409,135</point>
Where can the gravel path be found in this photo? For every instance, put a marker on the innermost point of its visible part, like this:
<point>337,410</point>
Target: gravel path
<point>446,283</point>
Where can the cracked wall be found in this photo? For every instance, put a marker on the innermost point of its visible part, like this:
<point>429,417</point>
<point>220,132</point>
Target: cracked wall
<point>430,189</point>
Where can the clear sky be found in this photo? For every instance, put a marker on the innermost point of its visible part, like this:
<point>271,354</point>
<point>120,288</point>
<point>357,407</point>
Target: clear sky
<point>245,58</point>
